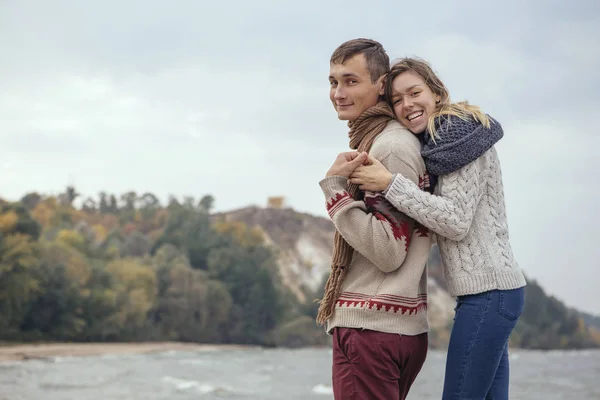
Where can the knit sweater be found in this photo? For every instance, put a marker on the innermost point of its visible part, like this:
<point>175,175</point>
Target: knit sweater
<point>385,288</point>
<point>467,212</point>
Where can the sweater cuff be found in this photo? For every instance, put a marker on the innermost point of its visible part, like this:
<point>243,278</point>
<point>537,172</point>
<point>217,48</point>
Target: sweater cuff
<point>387,189</point>
<point>400,186</point>
<point>333,184</point>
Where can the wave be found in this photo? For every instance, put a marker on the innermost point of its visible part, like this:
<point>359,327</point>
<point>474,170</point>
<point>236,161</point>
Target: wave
<point>201,388</point>
<point>195,361</point>
<point>322,389</point>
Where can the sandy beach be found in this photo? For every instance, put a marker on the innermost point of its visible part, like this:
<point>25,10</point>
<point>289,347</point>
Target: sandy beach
<point>10,352</point>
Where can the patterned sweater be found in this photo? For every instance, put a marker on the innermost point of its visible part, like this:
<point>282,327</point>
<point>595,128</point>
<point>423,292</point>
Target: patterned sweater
<point>468,214</point>
<point>385,288</point>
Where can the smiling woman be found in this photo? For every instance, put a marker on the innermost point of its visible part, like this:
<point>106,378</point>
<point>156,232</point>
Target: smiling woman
<point>413,101</point>
<point>419,97</point>
<point>466,211</point>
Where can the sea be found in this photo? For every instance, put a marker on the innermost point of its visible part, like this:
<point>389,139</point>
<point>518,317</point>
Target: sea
<point>265,374</point>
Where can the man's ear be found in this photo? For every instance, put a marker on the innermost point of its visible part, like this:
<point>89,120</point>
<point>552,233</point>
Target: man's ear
<point>381,84</point>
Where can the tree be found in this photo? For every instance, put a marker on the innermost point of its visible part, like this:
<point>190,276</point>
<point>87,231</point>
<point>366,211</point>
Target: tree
<point>135,287</point>
<point>263,308</point>
<point>129,199</point>
<point>30,200</point>
<point>113,206</point>
<point>89,205</point>
<point>103,205</point>
<point>136,245</point>
<point>18,257</point>
<point>56,309</point>
<point>23,223</point>
<point>206,203</point>
<point>189,230</point>
<point>149,201</point>
<point>191,308</point>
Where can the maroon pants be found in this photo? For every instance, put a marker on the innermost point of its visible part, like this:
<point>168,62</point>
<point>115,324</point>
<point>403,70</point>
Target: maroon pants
<point>370,365</point>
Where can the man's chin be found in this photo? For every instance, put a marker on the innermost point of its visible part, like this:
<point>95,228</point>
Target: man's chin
<point>344,116</point>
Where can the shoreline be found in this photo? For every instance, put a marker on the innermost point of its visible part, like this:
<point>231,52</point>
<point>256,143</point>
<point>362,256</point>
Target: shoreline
<point>47,351</point>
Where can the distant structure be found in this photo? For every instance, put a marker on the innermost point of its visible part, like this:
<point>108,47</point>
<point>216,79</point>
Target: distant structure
<point>276,202</point>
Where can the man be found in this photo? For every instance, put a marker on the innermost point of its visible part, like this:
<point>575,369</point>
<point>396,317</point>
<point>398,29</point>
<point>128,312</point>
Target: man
<point>375,302</point>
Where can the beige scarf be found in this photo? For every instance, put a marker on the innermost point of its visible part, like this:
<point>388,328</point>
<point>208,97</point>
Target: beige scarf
<point>362,134</point>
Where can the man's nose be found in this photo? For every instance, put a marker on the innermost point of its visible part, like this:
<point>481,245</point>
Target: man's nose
<point>340,93</point>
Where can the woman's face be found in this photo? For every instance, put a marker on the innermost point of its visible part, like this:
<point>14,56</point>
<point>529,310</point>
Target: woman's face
<point>413,101</point>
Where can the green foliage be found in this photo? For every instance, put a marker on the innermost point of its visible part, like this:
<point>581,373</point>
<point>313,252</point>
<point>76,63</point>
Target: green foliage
<point>189,230</point>
<point>546,323</point>
<point>300,332</point>
<point>134,270</point>
<point>55,310</point>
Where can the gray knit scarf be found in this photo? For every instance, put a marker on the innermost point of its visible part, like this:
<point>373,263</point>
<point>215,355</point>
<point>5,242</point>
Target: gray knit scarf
<point>457,143</point>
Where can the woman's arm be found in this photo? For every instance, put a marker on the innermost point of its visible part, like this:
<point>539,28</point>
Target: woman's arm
<point>448,214</point>
<point>372,226</point>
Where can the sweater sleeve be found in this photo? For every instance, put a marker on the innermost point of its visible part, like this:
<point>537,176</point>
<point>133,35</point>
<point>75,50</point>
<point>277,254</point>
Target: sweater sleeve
<point>372,226</point>
<point>449,214</point>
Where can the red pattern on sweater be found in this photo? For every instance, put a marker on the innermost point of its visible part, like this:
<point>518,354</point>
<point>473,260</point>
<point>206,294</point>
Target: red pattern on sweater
<point>382,210</point>
<point>384,302</point>
<point>424,181</point>
<point>336,203</point>
<point>421,230</point>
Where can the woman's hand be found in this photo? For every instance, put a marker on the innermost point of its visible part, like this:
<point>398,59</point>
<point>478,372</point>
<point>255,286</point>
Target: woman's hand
<point>373,177</point>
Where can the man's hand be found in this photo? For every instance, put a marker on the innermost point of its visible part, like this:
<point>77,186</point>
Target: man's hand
<point>346,163</point>
<point>373,176</point>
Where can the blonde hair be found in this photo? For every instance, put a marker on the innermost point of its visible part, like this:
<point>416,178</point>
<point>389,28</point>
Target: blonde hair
<point>444,106</point>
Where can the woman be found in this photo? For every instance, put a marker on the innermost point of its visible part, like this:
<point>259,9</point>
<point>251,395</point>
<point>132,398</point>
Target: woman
<point>466,211</point>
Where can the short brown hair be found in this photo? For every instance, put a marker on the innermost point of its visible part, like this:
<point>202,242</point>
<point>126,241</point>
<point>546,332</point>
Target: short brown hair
<point>378,62</point>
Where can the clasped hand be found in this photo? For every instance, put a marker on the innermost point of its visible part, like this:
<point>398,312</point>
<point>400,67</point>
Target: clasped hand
<point>361,169</point>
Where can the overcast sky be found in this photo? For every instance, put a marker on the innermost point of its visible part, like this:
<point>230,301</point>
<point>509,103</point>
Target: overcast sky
<point>230,98</point>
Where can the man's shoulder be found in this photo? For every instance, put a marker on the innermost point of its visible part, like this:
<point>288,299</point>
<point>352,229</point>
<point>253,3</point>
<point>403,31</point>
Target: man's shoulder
<point>396,138</point>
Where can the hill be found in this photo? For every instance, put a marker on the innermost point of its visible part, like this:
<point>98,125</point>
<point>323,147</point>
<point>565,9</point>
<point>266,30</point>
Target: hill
<point>127,268</point>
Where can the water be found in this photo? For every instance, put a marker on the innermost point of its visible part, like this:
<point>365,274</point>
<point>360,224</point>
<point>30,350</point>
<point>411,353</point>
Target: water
<point>257,374</point>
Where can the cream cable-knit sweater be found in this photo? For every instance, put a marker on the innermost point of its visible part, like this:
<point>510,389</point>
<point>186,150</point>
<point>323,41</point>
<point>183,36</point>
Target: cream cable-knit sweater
<point>468,214</point>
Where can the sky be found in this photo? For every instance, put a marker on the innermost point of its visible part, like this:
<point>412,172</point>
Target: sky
<point>230,98</point>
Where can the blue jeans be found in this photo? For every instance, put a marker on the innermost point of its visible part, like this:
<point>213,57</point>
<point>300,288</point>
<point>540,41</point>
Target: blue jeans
<point>477,367</point>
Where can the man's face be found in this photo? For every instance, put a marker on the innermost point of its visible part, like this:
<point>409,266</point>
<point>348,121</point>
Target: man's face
<point>351,90</point>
